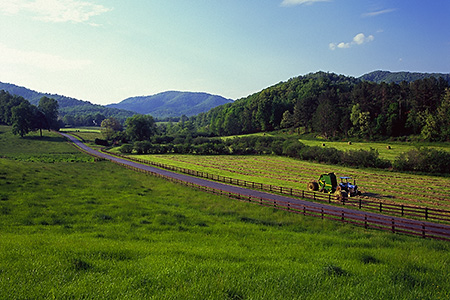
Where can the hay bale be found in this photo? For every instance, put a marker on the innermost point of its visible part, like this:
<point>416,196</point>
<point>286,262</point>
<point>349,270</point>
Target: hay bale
<point>388,147</point>
<point>349,143</point>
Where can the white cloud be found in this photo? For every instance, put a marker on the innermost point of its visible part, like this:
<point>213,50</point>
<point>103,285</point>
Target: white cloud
<point>379,12</point>
<point>358,39</point>
<point>44,61</point>
<point>300,2</point>
<point>54,11</point>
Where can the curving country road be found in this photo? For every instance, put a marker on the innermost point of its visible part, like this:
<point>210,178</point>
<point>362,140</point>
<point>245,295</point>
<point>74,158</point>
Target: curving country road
<point>425,229</point>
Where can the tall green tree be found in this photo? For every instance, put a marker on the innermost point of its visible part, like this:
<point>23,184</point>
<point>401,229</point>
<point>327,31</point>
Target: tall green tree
<point>326,118</point>
<point>110,127</point>
<point>140,127</point>
<point>443,117</point>
<point>49,107</point>
<point>21,118</point>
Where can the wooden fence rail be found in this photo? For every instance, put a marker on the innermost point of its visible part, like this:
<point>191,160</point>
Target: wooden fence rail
<point>402,210</point>
<point>366,220</point>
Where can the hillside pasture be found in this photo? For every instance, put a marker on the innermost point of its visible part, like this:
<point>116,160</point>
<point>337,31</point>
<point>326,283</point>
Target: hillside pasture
<point>88,134</point>
<point>94,230</point>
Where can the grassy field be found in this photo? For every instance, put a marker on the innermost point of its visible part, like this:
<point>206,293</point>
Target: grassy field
<point>94,129</point>
<point>387,150</point>
<point>387,186</point>
<point>79,229</point>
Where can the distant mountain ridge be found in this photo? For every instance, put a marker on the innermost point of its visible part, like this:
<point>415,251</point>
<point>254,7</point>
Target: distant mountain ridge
<point>172,104</point>
<point>176,104</point>
<point>397,77</point>
<point>67,105</point>
<point>34,96</point>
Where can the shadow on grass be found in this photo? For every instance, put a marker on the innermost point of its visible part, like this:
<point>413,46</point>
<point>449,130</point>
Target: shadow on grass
<point>44,138</point>
<point>375,195</point>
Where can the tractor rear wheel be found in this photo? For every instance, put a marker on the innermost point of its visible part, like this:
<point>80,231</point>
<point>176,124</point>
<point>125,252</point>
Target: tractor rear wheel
<point>313,186</point>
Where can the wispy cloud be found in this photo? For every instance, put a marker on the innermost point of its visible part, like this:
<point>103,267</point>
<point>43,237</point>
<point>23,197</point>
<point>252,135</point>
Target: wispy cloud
<point>40,60</point>
<point>54,11</point>
<point>378,12</point>
<point>359,39</point>
<point>301,2</point>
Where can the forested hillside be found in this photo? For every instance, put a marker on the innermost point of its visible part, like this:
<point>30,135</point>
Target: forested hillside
<point>338,106</point>
<point>73,111</point>
<point>25,117</point>
<point>172,104</point>
<point>397,77</point>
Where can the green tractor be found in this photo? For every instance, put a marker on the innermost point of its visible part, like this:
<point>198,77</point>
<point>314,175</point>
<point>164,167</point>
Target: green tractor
<point>327,183</point>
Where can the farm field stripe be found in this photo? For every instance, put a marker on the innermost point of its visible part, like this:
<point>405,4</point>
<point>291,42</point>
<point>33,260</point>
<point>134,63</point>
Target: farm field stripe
<point>418,226</point>
<point>378,186</point>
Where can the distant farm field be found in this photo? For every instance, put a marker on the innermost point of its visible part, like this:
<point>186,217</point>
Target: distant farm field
<point>423,190</point>
<point>85,229</point>
<point>88,134</point>
<point>387,150</point>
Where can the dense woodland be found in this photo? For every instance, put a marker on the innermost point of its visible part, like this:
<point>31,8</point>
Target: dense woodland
<point>333,106</point>
<point>25,117</point>
<point>338,106</point>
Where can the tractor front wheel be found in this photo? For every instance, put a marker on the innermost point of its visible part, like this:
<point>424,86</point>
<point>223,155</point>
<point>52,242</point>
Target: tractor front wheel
<point>340,195</point>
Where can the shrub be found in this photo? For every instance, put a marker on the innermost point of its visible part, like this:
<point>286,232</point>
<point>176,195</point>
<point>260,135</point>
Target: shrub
<point>364,158</point>
<point>101,142</point>
<point>142,147</point>
<point>424,160</point>
<point>292,148</point>
<point>127,149</point>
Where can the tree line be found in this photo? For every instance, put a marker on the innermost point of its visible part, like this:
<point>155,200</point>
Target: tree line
<point>24,117</point>
<point>338,106</point>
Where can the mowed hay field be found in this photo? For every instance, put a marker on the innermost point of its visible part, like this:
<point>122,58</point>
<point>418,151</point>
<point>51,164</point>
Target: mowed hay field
<point>382,185</point>
<point>386,150</point>
<point>75,228</point>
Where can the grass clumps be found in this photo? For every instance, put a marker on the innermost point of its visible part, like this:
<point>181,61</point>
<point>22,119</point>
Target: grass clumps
<point>99,231</point>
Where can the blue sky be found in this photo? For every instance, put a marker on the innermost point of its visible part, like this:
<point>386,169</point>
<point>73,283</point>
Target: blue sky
<point>104,51</point>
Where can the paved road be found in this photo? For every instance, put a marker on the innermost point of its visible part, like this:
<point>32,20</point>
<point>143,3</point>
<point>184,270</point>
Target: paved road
<point>371,218</point>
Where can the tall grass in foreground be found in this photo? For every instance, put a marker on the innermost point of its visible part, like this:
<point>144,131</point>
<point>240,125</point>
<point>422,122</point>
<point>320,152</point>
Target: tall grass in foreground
<point>92,230</point>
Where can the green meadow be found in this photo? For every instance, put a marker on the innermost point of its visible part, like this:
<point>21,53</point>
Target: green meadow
<point>387,150</point>
<point>75,228</point>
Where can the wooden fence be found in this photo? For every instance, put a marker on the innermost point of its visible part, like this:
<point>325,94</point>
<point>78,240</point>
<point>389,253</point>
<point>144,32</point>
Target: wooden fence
<point>366,220</point>
<point>409,211</point>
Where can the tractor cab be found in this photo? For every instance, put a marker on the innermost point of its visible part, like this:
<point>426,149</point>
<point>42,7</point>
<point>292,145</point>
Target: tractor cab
<point>351,189</point>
